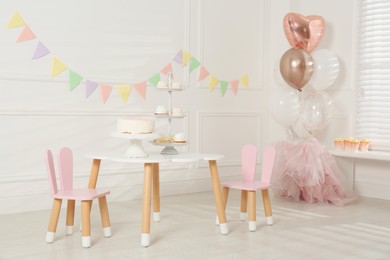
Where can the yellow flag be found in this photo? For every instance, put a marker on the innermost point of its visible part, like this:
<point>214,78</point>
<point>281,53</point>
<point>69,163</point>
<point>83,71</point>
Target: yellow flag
<point>16,21</point>
<point>186,57</point>
<point>57,67</point>
<point>244,80</point>
<point>124,92</point>
<point>213,82</point>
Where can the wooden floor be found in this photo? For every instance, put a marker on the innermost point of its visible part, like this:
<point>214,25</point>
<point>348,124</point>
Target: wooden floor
<point>187,230</point>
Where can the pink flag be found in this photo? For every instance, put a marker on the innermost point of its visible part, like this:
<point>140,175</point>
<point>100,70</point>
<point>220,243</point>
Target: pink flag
<point>141,88</point>
<point>90,87</point>
<point>234,84</point>
<point>203,73</point>
<point>40,51</point>
<point>105,90</point>
<point>167,69</point>
<point>26,35</point>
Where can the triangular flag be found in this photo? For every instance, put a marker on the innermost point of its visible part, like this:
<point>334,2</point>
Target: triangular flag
<point>16,21</point>
<point>154,79</point>
<point>74,80</point>
<point>234,84</point>
<point>26,35</point>
<point>213,82</point>
<point>141,88</point>
<point>167,69</point>
<point>124,92</point>
<point>203,73</point>
<point>105,90</point>
<point>179,57</point>
<point>244,81</point>
<point>57,67</point>
<point>186,57</point>
<point>40,51</point>
<point>194,63</point>
<point>224,85</point>
<point>90,87</point>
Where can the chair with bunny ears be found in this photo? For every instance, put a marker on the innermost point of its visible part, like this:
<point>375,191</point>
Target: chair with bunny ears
<point>67,192</point>
<point>248,185</point>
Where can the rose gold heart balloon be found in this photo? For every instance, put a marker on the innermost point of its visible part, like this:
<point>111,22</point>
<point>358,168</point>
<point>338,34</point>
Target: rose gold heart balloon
<point>303,32</point>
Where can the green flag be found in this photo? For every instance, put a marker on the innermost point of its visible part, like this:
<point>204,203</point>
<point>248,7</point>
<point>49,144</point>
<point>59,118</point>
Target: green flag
<point>194,63</point>
<point>224,85</point>
<point>74,80</point>
<point>154,79</point>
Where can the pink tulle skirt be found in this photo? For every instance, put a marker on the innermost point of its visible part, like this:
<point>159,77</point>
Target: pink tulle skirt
<point>305,170</point>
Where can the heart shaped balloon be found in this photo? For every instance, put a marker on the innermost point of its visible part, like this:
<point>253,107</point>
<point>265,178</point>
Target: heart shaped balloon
<point>303,32</point>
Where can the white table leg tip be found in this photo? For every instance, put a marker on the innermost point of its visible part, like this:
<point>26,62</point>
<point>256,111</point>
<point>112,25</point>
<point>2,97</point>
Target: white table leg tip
<point>269,221</point>
<point>50,237</point>
<point>69,230</point>
<point>224,228</point>
<point>156,216</point>
<point>107,231</point>
<point>217,221</point>
<point>252,226</point>
<point>86,241</point>
<point>243,215</point>
<point>145,239</point>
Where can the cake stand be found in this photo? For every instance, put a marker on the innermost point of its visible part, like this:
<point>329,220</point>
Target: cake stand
<point>169,147</point>
<point>135,149</point>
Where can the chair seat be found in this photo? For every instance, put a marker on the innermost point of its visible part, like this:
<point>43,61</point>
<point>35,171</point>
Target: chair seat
<point>241,185</point>
<point>81,194</point>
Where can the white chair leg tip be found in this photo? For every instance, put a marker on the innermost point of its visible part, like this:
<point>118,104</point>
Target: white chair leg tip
<point>107,231</point>
<point>224,228</point>
<point>269,221</point>
<point>50,237</point>
<point>69,230</point>
<point>252,226</point>
<point>145,239</point>
<point>86,241</point>
<point>156,216</point>
<point>243,215</point>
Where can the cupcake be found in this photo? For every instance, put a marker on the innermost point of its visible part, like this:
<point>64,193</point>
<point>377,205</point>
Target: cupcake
<point>339,143</point>
<point>177,112</point>
<point>160,110</point>
<point>364,143</point>
<point>178,138</point>
<point>162,84</point>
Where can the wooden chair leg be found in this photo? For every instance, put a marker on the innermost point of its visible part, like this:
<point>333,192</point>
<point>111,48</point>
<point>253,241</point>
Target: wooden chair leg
<point>225,195</point>
<point>156,192</point>
<point>267,207</point>
<point>252,210</point>
<point>105,216</point>
<point>70,217</point>
<point>86,224</point>
<point>55,213</point>
<point>244,204</point>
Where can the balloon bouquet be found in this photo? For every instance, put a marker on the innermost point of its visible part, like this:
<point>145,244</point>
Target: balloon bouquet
<point>303,73</point>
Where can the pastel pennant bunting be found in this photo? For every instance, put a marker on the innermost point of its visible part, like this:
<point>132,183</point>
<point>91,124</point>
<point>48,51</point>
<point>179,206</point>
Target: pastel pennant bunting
<point>74,80</point>
<point>213,82</point>
<point>186,57</point>
<point>203,73</point>
<point>154,79</point>
<point>234,84</point>
<point>167,69</point>
<point>105,91</point>
<point>57,67</point>
<point>141,88</point>
<point>26,35</point>
<point>90,87</point>
<point>40,51</point>
<point>244,80</point>
<point>194,63</point>
<point>179,57</point>
<point>16,21</point>
<point>224,85</point>
<point>124,91</point>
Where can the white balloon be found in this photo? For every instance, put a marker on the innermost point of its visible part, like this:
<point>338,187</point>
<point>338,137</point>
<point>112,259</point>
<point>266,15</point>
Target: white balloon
<point>326,69</point>
<point>284,105</point>
<point>312,111</point>
<point>300,130</point>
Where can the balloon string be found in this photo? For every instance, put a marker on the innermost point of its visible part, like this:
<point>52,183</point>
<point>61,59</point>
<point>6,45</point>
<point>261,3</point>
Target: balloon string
<point>290,133</point>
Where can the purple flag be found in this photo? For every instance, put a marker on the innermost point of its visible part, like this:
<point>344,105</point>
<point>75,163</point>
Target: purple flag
<point>90,87</point>
<point>40,51</point>
<point>179,57</point>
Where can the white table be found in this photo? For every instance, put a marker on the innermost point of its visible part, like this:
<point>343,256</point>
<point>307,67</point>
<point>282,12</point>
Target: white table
<point>152,180</point>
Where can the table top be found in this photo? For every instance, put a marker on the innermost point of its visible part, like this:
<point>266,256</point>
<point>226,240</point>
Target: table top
<point>155,157</point>
<point>373,155</point>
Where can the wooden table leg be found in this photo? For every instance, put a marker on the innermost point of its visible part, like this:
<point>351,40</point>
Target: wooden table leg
<point>218,197</point>
<point>145,231</point>
<point>94,173</point>
<point>156,192</point>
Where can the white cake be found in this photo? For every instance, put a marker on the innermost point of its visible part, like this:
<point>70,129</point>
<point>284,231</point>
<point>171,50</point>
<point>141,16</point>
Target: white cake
<point>177,111</point>
<point>178,138</point>
<point>161,110</point>
<point>135,126</point>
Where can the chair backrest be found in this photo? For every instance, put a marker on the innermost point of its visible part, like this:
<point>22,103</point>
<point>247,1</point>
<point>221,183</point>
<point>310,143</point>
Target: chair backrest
<point>248,161</point>
<point>65,168</point>
<point>269,157</point>
<point>51,171</point>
